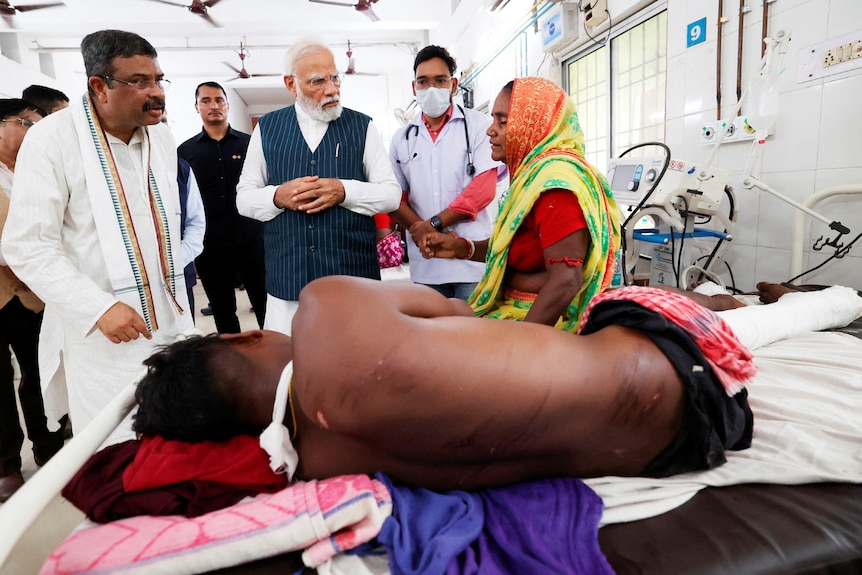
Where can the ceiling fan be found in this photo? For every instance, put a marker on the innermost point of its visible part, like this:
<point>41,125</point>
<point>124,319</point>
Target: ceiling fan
<point>351,65</point>
<point>7,10</point>
<point>241,72</point>
<point>361,6</point>
<point>198,7</point>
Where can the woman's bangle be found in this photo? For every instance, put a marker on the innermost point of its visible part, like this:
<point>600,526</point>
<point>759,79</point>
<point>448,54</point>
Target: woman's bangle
<point>471,248</point>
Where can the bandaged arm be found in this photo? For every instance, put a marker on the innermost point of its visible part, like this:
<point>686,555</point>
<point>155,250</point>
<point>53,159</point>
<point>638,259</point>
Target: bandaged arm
<point>793,313</point>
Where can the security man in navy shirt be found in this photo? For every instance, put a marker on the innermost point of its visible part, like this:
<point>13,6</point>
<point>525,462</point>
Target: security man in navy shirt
<point>233,244</point>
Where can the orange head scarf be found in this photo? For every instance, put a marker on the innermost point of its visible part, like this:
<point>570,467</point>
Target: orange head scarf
<point>544,151</point>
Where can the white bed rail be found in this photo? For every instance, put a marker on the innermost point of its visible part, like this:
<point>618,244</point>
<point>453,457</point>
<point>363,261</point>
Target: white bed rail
<point>19,512</point>
<point>797,238</point>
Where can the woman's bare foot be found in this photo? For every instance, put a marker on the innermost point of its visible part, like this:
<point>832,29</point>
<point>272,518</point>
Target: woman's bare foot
<point>770,292</point>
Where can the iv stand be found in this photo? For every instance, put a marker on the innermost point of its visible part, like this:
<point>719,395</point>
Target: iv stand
<point>777,44</point>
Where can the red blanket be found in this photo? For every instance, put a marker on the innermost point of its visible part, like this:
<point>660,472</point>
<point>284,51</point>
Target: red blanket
<point>159,477</point>
<point>238,462</point>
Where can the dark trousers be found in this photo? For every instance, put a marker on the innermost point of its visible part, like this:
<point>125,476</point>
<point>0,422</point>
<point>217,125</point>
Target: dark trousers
<point>218,268</point>
<point>19,329</point>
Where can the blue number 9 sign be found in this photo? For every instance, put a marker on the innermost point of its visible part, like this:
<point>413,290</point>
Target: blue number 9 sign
<point>696,32</point>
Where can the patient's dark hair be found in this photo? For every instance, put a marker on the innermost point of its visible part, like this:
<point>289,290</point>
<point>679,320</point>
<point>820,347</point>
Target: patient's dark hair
<point>184,395</point>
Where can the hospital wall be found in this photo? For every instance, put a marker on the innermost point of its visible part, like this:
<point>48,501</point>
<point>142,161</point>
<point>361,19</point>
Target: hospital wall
<point>816,139</point>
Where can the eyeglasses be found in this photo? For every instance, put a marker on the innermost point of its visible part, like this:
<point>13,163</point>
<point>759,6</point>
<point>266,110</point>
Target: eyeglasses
<point>438,82</point>
<point>318,82</point>
<point>26,122</point>
<point>162,83</point>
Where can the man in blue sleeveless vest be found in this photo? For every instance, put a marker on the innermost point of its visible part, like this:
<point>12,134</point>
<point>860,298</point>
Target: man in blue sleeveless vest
<point>316,173</point>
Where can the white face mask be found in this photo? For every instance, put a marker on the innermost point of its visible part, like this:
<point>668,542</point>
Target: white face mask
<point>433,101</point>
<point>275,439</point>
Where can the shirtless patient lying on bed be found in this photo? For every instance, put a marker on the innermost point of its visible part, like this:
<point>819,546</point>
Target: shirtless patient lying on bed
<point>396,378</point>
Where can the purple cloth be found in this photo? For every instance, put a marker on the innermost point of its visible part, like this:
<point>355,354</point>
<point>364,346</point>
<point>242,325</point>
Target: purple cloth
<point>543,526</point>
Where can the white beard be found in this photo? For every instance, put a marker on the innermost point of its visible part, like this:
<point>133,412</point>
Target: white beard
<point>317,111</point>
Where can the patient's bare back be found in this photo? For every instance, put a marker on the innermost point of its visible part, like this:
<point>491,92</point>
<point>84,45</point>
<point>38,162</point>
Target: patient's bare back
<point>388,376</point>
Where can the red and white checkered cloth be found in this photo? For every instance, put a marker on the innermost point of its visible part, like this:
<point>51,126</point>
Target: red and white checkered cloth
<point>729,358</point>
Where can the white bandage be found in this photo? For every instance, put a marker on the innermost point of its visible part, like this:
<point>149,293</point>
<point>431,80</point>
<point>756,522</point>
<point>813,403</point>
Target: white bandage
<point>275,439</point>
<point>793,313</point>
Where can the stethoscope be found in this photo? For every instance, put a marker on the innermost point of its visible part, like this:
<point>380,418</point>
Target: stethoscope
<point>471,169</point>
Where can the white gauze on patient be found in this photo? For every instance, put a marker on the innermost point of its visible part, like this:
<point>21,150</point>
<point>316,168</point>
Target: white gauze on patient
<point>793,313</point>
<point>275,439</point>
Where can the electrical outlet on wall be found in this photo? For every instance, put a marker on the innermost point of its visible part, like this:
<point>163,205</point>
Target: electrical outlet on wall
<point>842,53</point>
<point>833,56</point>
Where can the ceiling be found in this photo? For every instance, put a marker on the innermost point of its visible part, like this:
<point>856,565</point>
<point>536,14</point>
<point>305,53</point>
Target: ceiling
<point>191,47</point>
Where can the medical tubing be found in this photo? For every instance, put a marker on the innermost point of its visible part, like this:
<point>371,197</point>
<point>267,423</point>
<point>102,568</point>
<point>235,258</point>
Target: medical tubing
<point>843,252</point>
<point>732,286</point>
<point>732,279</point>
<point>721,240</point>
<point>642,202</point>
<point>799,220</point>
<point>677,266</point>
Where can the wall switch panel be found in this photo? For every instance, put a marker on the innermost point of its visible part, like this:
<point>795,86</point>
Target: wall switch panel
<point>842,53</point>
<point>830,57</point>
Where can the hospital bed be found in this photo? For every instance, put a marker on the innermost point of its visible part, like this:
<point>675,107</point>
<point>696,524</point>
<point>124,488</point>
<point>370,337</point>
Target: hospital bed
<point>792,503</point>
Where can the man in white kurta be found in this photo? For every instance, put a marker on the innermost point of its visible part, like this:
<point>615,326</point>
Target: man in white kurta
<point>94,229</point>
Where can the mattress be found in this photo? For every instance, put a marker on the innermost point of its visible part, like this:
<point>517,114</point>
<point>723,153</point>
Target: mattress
<point>752,529</point>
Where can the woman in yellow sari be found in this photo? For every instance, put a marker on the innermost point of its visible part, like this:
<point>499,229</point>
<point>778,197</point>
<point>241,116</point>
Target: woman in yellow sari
<point>556,235</point>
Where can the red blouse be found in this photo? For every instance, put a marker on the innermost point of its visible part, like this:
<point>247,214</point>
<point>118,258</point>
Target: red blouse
<point>555,215</point>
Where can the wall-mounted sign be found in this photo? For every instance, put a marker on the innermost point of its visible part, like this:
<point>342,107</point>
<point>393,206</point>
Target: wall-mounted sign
<point>696,32</point>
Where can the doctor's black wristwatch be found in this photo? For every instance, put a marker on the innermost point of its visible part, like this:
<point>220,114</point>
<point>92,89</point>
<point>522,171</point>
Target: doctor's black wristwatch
<point>436,223</point>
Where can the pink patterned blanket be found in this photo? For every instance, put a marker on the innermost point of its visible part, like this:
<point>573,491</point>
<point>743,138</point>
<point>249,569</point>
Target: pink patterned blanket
<point>731,361</point>
<point>320,517</point>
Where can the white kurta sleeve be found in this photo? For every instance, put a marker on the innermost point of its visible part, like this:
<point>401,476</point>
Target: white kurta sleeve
<point>254,198</point>
<point>33,239</point>
<point>381,193</point>
<point>196,223</point>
